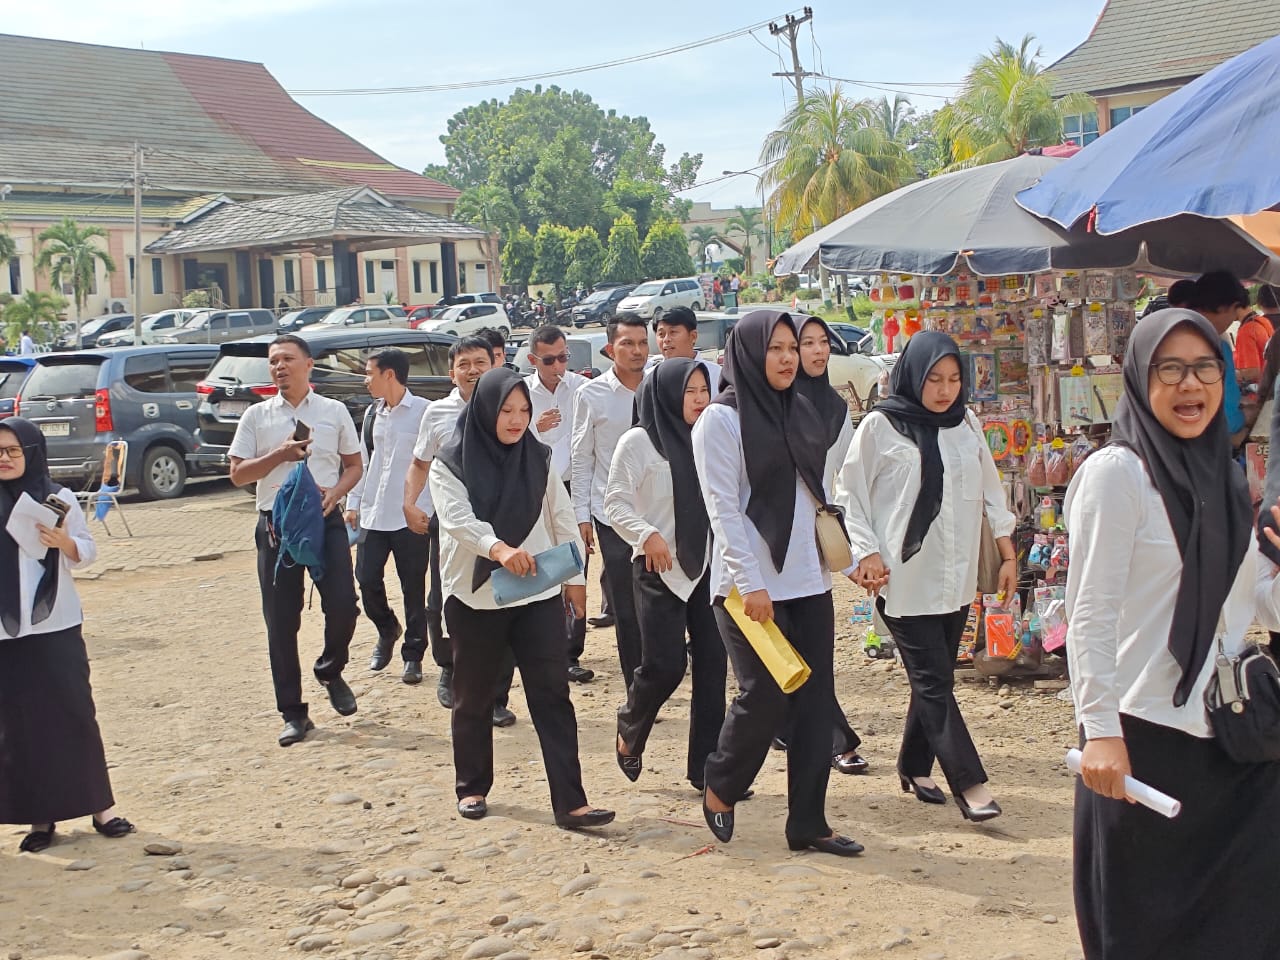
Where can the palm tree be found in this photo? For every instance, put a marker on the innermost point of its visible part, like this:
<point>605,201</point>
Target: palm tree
<point>748,223</point>
<point>67,251</point>
<point>1006,107</point>
<point>830,154</point>
<point>8,246</point>
<point>892,117</point>
<point>702,236</point>
<point>35,311</point>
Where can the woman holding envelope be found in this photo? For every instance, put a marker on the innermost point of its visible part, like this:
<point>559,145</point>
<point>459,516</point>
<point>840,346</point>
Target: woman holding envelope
<point>914,487</point>
<point>1162,566</point>
<point>654,503</point>
<point>760,451</point>
<point>501,504</point>
<point>52,764</point>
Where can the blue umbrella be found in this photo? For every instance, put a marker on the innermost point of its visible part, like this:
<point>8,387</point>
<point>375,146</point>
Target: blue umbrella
<point>1207,149</point>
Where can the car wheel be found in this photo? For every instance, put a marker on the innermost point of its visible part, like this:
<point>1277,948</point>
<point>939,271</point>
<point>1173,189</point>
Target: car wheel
<point>657,315</point>
<point>505,331</point>
<point>606,318</point>
<point>164,474</point>
<point>696,306</point>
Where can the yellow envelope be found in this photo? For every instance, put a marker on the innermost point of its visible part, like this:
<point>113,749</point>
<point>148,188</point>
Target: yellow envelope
<point>774,650</point>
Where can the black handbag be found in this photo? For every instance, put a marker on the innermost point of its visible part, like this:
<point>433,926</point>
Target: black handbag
<point>1243,701</point>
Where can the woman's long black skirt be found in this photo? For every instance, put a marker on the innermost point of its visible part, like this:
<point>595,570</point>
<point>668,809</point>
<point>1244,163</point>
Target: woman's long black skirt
<point>1197,887</point>
<point>52,765</point>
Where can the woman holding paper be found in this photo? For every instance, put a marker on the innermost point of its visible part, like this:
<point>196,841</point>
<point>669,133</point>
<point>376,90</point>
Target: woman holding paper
<point>500,504</point>
<point>653,501</point>
<point>913,487</point>
<point>760,450</point>
<point>52,764</point>
<point>1162,565</point>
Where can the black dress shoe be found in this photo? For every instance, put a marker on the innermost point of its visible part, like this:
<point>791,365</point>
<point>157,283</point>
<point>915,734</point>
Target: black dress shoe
<point>779,744</point>
<point>631,766</point>
<point>697,785</point>
<point>592,818</point>
<point>923,794</point>
<point>473,809</point>
<point>340,696</point>
<point>988,811</point>
<point>444,688</point>
<point>412,672</point>
<point>502,717</point>
<point>836,845</point>
<point>852,764</point>
<point>721,824</point>
<point>295,731</point>
<point>114,828</point>
<point>37,840</point>
<point>604,620</point>
<point>580,674</point>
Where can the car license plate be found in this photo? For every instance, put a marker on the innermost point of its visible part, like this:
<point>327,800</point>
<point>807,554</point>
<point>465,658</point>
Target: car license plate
<point>56,429</point>
<point>232,408</point>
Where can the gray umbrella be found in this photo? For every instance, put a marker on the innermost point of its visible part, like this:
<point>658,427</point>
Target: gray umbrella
<point>969,219</point>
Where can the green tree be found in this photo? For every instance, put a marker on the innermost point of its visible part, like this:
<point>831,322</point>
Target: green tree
<point>563,188</point>
<point>750,224</point>
<point>622,259</point>
<point>665,251</point>
<point>518,257</point>
<point>828,156</point>
<point>551,254</point>
<point>8,246</point>
<point>586,258</point>
<point>1006,107</point>
<point>643,201</point>
<point>34,311</point>
<point>929,149</point>
<point>700,237</point>
<point>893,117</point>
<point>68,252</point>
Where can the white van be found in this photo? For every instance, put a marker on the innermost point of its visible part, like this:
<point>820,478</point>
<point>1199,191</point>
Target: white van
<point>653,298</point>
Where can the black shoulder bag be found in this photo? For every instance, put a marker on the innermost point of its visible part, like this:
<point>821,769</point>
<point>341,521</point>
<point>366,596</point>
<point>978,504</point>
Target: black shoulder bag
<point>1243,701</point>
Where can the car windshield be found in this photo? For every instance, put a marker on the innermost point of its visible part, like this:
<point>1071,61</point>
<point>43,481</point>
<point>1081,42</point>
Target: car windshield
<point>598,297</point>
<point>647,289</point>
<point>231,368</point>
<point>96,324</point>
<point>338,316</point>
<point>62,381</point>
<point>453,313</point>
<point>197,322</point>
<point>290,317</point>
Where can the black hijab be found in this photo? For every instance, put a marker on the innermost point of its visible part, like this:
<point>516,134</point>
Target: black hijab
<point>831,407</point>
<point>1205,494</point>
<point>660,412</point>
<point>911,418</point>
<point>506,483</point>
<point>36,483</point>
<point>768,416</point>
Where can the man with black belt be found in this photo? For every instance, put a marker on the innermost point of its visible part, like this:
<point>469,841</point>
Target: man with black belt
<point>376,506</point>
<point>264,451</point>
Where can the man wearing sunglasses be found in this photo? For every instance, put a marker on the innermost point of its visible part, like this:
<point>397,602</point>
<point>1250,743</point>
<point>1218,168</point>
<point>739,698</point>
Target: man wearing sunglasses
<point>552,386</point>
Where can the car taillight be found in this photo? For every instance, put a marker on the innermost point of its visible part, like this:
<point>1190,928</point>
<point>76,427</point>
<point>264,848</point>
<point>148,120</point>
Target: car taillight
<point>268,391</point>
<point>102,411</point>
<point>17,405</point>
<point>204,389</point>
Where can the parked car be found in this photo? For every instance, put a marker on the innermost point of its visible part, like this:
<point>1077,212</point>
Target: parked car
<point>601,305</point>
<point>654,297</point>
<point>458,298</point>
<point>425,312</point>
<point>219,326</point>
<point>848,332</point>
<point>240,377</point>
<point>360,316</point>
<point>144,395</point>
<point>295,320</point>
<point>13,371</point>
<point>466,318</point>
<point>154,326</point>
<point>586,354</point>
<point>92,329</point>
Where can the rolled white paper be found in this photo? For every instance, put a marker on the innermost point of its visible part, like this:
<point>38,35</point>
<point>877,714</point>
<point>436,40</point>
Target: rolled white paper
<point>1135,790</point>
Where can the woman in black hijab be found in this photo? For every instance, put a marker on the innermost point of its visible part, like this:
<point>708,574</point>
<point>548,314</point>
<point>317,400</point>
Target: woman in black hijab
<point>500,504</point>
<point>52,764</point>
<point>760,449</point>
<point>914,487</point>
<point>655,504</point>
<point>1162,568</point>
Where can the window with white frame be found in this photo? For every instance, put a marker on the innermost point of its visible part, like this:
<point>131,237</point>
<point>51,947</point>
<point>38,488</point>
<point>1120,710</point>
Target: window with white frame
<point>1080,128</point>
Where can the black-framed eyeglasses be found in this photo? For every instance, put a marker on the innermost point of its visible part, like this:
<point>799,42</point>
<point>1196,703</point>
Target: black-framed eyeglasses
<point>1173,372</point>
<point>553,359</point>
<point>13,453</point>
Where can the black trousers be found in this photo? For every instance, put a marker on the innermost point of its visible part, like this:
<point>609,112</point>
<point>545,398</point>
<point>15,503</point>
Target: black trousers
<point>664,617</point>
<point>410,552</point>
<point>534,635</point>
<point>576,627</point>
<point>761,708</point>
<point>934,727</point>
<point>622,602</point>
<point>282,597</point>
<point>844,739</point>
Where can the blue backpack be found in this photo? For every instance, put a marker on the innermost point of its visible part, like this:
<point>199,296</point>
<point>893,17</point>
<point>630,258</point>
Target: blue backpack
<point>297,517</point>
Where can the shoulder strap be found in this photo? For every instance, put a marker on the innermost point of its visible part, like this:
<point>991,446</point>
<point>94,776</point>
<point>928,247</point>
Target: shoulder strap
<point>366,428</point>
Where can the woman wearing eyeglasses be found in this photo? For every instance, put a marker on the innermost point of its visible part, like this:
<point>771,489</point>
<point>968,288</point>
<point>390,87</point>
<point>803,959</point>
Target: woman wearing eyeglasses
<point>52,764</point>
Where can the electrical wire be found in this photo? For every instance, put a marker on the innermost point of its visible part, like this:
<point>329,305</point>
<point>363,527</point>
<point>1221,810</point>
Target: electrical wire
<point>878,86</point>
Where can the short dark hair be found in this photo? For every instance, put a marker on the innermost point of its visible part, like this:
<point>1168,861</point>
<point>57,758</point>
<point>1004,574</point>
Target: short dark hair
<point>1181,293</point>
<point>627,319</point>
<point>1219,290</point>
<point>468,345</point>
<point>678,317</point>
<point>547,334</point>
<point>496,340</point>
<point>293,338</point>
<point>397,361</point>
<point>1268,298</point>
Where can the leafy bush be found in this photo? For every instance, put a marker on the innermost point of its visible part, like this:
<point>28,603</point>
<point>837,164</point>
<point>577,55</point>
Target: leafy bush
<point>751,295</point>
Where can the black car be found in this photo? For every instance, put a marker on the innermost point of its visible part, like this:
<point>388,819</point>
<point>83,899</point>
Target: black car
<point>295,320</point>
<point>240,377</point>
<point>601,305</point>
<point>92,329</point>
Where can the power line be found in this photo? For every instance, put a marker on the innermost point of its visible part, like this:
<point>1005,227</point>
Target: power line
<point>503,81</point>
<point>878,86</point>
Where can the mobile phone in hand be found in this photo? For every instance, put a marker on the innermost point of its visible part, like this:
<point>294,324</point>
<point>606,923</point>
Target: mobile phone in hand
<point>57,506</point>
<point>301,431</point>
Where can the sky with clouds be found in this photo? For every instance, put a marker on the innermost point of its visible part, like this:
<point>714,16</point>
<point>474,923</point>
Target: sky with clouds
<point>718,100</point>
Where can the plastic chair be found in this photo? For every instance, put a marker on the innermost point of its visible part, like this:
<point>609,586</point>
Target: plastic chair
<point>97,504</point>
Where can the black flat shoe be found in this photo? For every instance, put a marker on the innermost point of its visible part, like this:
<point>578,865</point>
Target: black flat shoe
<point>923,794</point>
<point>779,744</point>
<point>630,766</point>
<point>853,764</point>
<point>37,840</point>
<point>835,845</point>
<point>604,620</point>
<point>295,731</point>
<point>580,674</point>
<point>473,809</point>
<point>114,828</point>
<point>502,717</point>
<point>746,796</point>
<point>444,688</point>
<point>412,673</point>
<point>592,818</point>
<point>340,696</point>
<point>988,811</point>
<point>721,823</point>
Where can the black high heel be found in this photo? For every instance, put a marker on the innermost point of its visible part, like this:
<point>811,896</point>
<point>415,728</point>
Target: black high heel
<point>988,811</point>
<point>631,766</point>
<point>923,794</point>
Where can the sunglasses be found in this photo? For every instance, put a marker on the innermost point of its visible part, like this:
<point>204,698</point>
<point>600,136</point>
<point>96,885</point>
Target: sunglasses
<point>553,359</point>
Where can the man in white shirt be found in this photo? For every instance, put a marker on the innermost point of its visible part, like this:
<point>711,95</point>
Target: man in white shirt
<point>264,451</point>
<point>552,387</point>
<point>26,346</point>
<point>376,507</point>
<point>677,333</point>
<point>602,413</point>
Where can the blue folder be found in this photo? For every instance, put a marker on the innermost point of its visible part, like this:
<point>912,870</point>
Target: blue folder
<point>554,566</point>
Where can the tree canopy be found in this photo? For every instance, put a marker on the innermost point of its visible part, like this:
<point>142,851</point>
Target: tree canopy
<point>665,251</point>
<point>622,259</point>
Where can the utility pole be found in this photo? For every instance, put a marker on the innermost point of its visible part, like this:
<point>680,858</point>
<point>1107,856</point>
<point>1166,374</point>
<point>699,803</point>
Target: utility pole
<point>791,27</point>
<point>137,243</point>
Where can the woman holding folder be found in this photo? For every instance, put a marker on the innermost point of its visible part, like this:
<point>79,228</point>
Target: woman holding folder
<point>500,504</point>
<point>1162,566</point>
<point>760,451</point>
<point>654,503</point>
